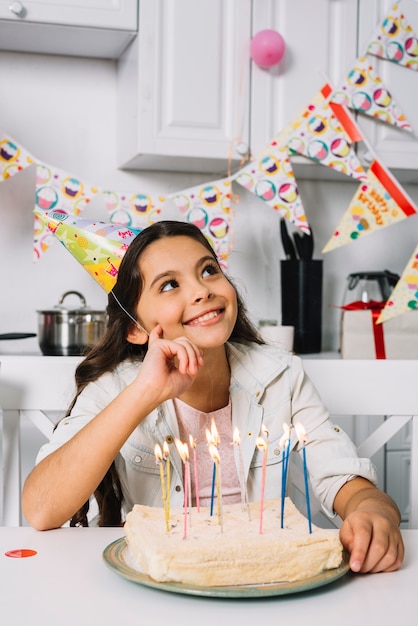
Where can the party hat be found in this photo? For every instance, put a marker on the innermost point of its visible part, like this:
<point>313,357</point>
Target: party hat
<point>99,247</point>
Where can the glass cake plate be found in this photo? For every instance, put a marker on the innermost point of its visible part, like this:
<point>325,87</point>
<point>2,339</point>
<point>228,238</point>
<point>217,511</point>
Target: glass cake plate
<point>117,558</point>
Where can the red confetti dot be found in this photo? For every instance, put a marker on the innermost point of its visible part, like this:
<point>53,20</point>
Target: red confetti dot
<point>22,553</point>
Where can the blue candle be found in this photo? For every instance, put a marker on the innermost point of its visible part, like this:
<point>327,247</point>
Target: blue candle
<point>285,442</point>
<point>302,439</point>
<point>305,473</point>
<point>212,497</point>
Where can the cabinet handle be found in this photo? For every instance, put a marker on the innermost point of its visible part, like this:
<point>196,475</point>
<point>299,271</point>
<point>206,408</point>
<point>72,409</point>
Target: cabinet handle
<point>17,8</point>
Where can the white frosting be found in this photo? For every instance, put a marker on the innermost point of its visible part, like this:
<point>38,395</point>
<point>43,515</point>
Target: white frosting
<point>233,552</point>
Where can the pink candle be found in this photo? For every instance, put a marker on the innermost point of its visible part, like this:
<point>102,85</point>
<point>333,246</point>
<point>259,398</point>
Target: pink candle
<point>262,445</point>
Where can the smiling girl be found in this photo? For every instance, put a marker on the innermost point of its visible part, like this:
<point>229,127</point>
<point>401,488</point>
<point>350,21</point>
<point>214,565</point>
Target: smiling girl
<point>180,354</point>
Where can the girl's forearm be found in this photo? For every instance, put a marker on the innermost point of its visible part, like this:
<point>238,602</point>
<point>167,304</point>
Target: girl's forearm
<point>62,482</point>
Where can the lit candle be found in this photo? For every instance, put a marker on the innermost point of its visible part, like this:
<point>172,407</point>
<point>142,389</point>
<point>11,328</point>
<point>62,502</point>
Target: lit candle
<point>262,445</point>
<point>159,459</point>
<point>213,451</point>
<point>300,431</point>
<point>196,476</point>
<point>285,444</point>
<point>166,453</point>
<point>213,440</point>
<point>183,451</point>
<point>243,482</point>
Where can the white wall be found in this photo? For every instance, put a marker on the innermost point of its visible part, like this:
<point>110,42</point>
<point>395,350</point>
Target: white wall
<point>63,110</point>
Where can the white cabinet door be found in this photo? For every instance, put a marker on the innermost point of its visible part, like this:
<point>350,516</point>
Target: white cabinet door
<point>88,13</point>
<point>96,28</point>
<point>320,38</point>
<point>396,148</point>
<point>183,95</point>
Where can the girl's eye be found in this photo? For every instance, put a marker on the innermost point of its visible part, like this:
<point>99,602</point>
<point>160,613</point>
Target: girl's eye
<point>210,270</point>
<point>169,285</point>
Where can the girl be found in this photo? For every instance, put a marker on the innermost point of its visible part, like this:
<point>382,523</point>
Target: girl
<point>180,354</point>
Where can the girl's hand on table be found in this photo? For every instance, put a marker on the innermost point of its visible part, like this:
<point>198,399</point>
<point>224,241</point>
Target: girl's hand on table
<point>373,540</point>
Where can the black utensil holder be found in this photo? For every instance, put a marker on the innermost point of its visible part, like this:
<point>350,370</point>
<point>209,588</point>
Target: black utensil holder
<point>301,289</point>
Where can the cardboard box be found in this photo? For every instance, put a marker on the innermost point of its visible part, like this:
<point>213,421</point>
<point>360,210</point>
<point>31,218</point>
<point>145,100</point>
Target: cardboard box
<point>400,336</point>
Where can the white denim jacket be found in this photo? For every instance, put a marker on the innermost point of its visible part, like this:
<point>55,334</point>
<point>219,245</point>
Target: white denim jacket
<point>268,388</point>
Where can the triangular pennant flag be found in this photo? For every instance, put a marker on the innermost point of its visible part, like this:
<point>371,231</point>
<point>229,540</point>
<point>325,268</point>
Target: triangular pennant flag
<point>378,202</point>
<point>99,247</point>
<point>60,192</point>
<point>13,157</point>
<point>363,91</point>
<point>137,210</point>
<point>325,133</point>
<point>394,40</point>
<point>208,207</point>
<point>271,179</point>
<point>404,296</point>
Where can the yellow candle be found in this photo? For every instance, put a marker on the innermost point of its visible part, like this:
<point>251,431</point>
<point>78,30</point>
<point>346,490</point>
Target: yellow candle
<point>159,459</point>
<point>168,497</point>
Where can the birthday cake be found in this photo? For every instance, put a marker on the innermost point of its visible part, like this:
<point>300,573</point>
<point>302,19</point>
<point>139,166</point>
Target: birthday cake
<point>228,549</point>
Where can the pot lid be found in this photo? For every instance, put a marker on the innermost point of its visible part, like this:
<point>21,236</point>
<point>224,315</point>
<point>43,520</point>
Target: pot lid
<point>60,308</point>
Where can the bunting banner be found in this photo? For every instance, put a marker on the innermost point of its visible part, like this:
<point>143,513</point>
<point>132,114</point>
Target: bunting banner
<point>208,207</point>
<point>404,296</point>
<point>133,210</point>
<point>378,202</point>
<point>395,40</point>
<point>325,133</point>
<point>99,247</point>
<point>60,192</point>
<point>363,91</point>
<point>13,157</point>
<point>271,179</point>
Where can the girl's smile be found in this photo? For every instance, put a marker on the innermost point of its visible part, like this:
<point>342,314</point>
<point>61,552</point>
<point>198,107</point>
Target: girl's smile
<point>186,292</point>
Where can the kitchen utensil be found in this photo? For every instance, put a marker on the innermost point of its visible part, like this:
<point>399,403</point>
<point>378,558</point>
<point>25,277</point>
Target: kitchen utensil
<point>64,331</point>
<point>7,336</point>
<point>287,243</point>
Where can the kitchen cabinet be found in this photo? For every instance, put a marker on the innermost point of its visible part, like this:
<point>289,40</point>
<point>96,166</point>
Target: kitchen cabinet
<point>396,148</point>
<point>190,99</point>
<point>183,86</point>
<point>321,39</point>
<point>93,28</point>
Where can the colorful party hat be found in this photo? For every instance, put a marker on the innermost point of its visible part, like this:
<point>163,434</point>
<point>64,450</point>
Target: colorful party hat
<point>99,247</point>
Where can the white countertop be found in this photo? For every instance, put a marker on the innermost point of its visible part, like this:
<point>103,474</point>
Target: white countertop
<point>68,583</point>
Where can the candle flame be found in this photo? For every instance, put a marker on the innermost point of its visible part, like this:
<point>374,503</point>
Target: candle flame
<point>285,437</point>
<point>192,442</point>
<point>260,443</point>
<point>237,437</point>
<point>213,451</point>
<point>301,433</point>
<point>166,450</point>
<point>182,449</point>
<point>214,432</point>
<point>158,453</point>
<point>264,431</point>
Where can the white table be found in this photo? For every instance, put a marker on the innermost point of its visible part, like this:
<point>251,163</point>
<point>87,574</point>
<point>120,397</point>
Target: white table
<point>68,583</point>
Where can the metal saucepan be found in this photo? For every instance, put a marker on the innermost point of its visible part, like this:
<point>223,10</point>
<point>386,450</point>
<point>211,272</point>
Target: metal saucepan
<point>64,331</point>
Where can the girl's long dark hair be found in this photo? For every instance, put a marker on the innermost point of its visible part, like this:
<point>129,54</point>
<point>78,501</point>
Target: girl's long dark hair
<point>113,348</point>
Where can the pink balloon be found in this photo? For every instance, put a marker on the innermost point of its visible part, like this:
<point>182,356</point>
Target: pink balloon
<point>267,48</point>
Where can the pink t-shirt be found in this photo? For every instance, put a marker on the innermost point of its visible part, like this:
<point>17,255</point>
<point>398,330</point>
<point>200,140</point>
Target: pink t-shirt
<point>195,423</point>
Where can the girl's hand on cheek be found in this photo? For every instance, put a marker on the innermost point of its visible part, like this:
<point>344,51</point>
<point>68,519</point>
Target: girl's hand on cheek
<point>170,366</point>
